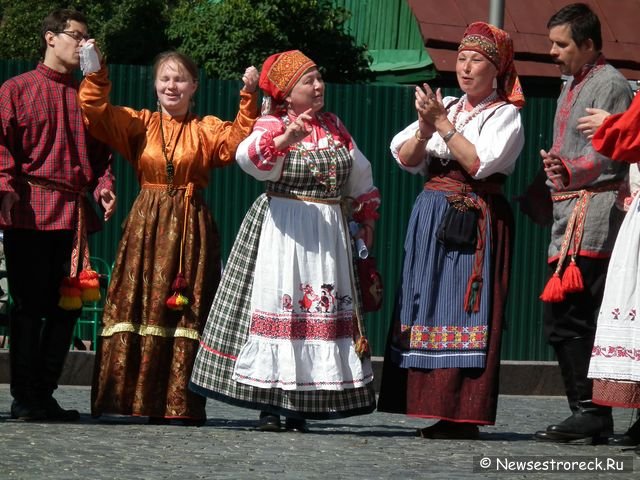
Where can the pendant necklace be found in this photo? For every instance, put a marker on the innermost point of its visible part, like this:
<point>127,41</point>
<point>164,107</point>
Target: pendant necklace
<point>327,179</point>
<point>170,167</point>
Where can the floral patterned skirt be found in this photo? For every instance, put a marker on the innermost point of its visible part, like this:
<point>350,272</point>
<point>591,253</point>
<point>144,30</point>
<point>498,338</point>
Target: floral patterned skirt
<point>146,351</point>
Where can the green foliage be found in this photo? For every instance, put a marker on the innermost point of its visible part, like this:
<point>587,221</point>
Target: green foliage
<point>127,31</point>
<point>224,37</point>
<point>20,28</point>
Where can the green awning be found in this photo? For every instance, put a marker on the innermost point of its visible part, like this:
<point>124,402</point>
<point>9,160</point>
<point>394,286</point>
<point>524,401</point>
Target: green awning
<point>402,66</point>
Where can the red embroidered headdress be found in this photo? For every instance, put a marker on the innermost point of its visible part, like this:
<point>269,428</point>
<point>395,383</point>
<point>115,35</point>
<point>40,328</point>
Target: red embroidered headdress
<point>281,71</point>
<point>496,45</point>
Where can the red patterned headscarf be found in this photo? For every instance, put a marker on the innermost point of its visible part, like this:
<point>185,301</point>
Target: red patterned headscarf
<point>496,45</point>
<point>281,71</point>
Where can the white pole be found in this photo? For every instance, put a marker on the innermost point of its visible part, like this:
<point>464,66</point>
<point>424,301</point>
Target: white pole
<point>496,13</point>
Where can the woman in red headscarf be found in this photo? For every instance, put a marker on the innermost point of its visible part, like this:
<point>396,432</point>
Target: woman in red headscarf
<point>285,333</point>
<point>444,345</point>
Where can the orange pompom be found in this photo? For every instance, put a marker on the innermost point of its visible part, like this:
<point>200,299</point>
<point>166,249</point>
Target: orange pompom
<point>70,303</point>
<point>89,279</point>
<point>90,294</point>
<point>70,294</point>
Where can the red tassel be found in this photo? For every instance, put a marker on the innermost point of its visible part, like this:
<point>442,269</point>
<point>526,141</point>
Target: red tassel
<point>572,279</point>
<point>180,283</point>
<point>553,291</point>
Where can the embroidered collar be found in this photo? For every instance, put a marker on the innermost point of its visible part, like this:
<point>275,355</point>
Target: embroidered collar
<point>587,69</point>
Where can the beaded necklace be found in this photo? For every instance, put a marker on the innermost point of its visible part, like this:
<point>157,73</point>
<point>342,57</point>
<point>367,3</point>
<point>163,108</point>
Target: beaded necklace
<point>328,179</point>
<point>170,167</point>
<point>474,113</point>
<point>484,104</point>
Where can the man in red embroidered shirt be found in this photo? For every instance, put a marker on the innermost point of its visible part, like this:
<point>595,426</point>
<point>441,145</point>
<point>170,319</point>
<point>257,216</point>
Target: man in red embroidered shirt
<point>48,165</point>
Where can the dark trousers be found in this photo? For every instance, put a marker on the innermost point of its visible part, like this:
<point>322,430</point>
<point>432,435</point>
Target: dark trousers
<point>40,332</point>
<point>570,328</point>
<point>577,315</point>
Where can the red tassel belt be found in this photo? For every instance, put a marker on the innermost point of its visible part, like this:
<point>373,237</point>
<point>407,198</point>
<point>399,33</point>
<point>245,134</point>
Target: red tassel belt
<point>571,281</point>
<point>80,241</point>
<point>448,184</point>
<point>79,286</point>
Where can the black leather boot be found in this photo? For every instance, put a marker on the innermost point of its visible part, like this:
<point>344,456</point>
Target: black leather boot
<point>24,358</point>
<point>566,370</point>
<point>589,422</point>
<point>56,338</point>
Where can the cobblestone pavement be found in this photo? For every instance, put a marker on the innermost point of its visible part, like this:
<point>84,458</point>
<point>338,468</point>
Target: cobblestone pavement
<point>376,446</point>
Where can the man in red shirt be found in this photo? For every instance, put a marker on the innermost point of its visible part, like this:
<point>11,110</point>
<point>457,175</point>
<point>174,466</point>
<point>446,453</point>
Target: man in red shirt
<point>48,166</point>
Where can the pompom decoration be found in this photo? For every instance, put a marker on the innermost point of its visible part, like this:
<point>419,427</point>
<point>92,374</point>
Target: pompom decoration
<point>90,284</point>
<point>70,294</point>
<point>177,301</point>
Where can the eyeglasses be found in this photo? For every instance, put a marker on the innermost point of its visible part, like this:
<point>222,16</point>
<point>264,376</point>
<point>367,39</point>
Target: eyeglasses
<point>77,36</point>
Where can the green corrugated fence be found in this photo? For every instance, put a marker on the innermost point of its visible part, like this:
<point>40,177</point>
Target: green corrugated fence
<point>373,114</point>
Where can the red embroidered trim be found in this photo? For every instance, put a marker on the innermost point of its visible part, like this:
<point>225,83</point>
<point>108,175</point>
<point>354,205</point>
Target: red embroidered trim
<point>448,338</point>
<point>616,352</point>
<point>302,326</point>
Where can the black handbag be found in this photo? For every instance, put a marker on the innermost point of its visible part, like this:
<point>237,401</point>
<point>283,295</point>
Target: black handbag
<point>458,229</point>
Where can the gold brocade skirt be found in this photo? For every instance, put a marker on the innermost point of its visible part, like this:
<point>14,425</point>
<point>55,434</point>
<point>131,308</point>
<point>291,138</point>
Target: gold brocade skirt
<point>146,351</point>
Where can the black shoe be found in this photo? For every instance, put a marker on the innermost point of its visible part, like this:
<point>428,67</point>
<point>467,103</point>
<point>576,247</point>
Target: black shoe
<point>631,437</point>
<point>445,430</point>
<point>26,412</point>
<point>624,441</point>
<point>158,421</point>
<point>269,422</point>
<point>296,425</point>
<point>192,422</point>
<point>583,425</point>
<point>53,411</point>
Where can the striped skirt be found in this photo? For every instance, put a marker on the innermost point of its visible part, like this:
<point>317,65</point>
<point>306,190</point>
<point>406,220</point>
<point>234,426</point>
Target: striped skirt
<point>462,386</point>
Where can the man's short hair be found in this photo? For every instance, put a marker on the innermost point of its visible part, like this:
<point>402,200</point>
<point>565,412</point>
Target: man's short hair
<point>56,22</point>
<point>583,22</point>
